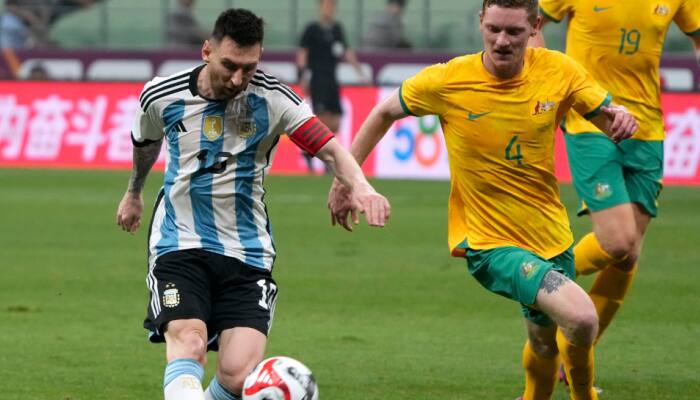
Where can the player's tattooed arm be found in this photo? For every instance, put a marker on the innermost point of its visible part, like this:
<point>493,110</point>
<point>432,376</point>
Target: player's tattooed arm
<point>144,158</point>
<point>553,281</point>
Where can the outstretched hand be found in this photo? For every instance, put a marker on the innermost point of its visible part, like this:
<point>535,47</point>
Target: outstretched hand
<point>344,202</point>
<point>622,124</point>
<point>129,212</point>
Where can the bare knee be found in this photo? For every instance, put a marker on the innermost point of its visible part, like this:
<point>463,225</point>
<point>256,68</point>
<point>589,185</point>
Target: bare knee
<point>581,327</point>
<point>621,245</point>
<point>544,347</point>
<point>232,374</point>
<point>186,340</point>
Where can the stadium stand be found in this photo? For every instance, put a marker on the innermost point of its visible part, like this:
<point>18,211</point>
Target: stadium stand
<point>439,29</point>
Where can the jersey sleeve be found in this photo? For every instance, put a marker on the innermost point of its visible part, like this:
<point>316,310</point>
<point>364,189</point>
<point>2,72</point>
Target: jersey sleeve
<point>145,129</point>
<point>421,94</point>
<point>555,10</point>
<point>586,96</point>
<point>688,17</point>
<point>293,112</point>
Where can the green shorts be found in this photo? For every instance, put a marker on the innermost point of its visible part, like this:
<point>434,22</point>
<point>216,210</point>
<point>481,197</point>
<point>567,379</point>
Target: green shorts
<point>608,174</point>
<point>517,274</point>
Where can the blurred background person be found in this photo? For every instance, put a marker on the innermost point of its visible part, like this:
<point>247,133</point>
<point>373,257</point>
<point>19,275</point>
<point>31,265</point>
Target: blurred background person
<point>38,72</point>
<point>386,31</point>
<point>323,45</point>
<point>24,23</point>
<point>62,8</point>
<point>182,28</point>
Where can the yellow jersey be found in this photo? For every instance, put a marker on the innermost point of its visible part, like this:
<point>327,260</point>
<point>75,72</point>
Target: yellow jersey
<point>500,143</point>
<point>620,43</point>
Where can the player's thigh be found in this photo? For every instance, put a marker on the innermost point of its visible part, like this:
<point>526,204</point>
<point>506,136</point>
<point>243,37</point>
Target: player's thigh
<point>240,350</point>
<point>179,283</point>
<point>517,274</point>
<point>243,296</point>
<point>596,165</point>
<point>616,228</point>
<point>643,166</point>
<point>564,301</point>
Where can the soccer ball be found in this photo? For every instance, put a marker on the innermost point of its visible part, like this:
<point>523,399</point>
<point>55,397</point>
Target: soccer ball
<point>280,378</point>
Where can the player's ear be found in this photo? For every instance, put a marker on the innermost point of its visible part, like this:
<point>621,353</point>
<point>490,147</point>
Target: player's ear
<point>206,51</point>
<point>537,26</point>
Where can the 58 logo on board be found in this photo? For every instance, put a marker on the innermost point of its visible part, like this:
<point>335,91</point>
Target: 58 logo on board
<point>424,144</point>
<point>413,148</point>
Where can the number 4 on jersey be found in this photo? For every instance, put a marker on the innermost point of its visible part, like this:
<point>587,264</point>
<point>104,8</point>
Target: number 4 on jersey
<point>509,155</point>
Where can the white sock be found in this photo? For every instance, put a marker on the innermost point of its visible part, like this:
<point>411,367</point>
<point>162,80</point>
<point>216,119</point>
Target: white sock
<point>183,380</point>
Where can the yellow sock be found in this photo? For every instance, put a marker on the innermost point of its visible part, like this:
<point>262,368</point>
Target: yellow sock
<point>608,293</point>
<point>578,366</point>
<point>590,257</point>
<point>540,374</point>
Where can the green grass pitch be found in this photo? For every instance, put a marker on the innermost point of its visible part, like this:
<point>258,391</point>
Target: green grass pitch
<point>377,314</point>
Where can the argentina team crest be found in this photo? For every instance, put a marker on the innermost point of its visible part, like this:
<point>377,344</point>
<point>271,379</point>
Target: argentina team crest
<point>246,127</point>
<point>245,120</point>
<point>213,126</point>
<point>171,296</point>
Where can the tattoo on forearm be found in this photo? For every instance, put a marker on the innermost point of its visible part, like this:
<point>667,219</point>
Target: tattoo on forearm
<point>553,281</point>
<point>144,158</point>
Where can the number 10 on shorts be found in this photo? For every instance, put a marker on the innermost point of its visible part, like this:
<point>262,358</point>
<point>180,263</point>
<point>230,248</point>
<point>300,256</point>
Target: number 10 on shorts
<point>269,292</point>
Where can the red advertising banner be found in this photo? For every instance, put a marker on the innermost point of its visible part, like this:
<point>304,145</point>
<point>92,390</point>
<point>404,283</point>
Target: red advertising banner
<point>88,125</point>
<point>77,125</point>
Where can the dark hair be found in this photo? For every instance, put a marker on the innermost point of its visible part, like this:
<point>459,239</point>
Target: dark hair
<point>530,6</point>
<point>244,27</point>
<point>400,3</point>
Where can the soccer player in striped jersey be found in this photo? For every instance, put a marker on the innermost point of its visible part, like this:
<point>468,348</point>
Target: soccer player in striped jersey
<point>620,43</point>
<point>498,110</point>
<point>210,247</point>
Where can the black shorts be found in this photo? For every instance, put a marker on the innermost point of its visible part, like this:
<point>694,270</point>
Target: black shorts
<point>221,291</point>
<point>325,97</point>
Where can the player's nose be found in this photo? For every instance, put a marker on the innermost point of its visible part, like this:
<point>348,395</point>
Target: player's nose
<point>502,39</point>
<point>237,77</point>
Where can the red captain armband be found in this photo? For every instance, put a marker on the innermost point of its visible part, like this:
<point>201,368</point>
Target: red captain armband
<point>311,136</point>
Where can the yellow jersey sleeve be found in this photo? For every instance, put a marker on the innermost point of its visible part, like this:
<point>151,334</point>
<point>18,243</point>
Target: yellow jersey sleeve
<point>556,10</point>
<point>422,93</point>
<point>587,97</point>
<point>688,17</point>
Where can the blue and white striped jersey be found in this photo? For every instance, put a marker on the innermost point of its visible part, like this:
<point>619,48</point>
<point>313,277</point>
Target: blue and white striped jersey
<point>218,154</point>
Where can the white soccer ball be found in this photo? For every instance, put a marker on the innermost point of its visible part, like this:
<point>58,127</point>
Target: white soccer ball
<point>280,378</point>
